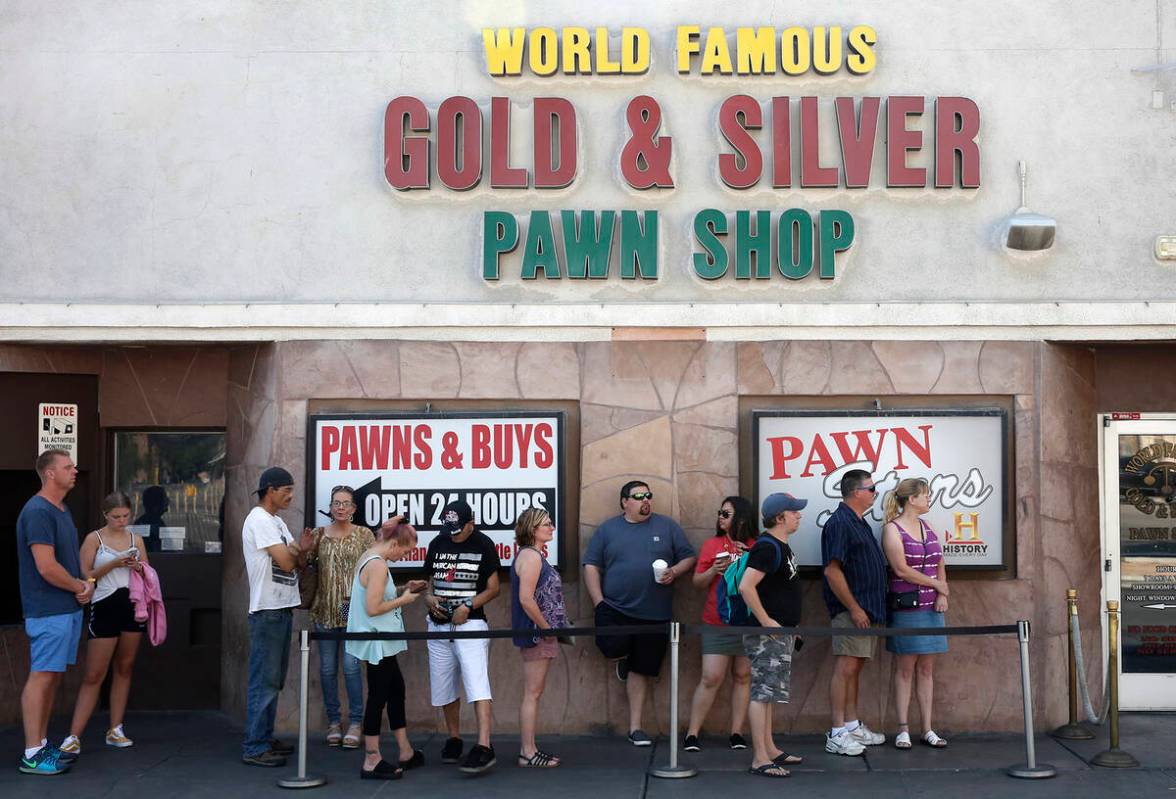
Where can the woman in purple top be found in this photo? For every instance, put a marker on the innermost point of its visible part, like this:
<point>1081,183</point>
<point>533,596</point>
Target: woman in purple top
<point>917,598</point>
<point>537,602</point>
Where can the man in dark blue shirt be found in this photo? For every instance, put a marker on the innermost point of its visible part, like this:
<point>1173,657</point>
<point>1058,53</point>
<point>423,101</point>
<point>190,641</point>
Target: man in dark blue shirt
<point>855,593</point>
<point>52,592</point>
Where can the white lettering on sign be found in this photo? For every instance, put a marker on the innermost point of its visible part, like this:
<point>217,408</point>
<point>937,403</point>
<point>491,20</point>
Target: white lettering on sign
<point>57,428</point>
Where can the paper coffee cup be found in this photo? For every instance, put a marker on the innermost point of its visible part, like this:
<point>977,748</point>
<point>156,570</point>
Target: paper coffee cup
<point>659,569</point>
<point>724,555</point>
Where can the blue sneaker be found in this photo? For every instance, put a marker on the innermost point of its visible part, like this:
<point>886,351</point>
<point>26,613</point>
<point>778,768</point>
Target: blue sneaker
<point>44,762</point>
<point>65,758</point>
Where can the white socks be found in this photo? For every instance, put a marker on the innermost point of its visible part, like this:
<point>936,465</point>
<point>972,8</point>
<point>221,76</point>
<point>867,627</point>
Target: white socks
<point>852,725</point>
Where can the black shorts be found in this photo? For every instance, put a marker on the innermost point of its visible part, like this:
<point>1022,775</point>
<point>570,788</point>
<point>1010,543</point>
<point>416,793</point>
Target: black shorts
<point>645,652</point>
<point>113,615</point>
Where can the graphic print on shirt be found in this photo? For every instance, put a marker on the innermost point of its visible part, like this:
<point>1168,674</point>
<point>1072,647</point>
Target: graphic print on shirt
<point>455,577</point>
<point>279,575</point>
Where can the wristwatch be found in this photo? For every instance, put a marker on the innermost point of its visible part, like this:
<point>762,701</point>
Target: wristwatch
<point>469,603</point>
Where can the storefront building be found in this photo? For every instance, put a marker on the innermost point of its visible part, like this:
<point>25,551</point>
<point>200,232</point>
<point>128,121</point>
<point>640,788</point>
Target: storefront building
<point>525,252</point>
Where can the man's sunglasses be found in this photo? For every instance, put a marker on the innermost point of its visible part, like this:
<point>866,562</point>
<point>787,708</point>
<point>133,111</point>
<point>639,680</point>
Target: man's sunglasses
<point>641,496</point>
<point>871,489</point>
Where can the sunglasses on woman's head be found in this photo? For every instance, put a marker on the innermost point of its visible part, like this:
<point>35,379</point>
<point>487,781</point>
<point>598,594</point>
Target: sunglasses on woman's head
<point>641,496</point>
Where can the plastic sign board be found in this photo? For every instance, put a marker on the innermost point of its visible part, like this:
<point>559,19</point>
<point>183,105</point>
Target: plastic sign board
<point>413,465</point>
<point>57,428</point>
<point>962,454</point>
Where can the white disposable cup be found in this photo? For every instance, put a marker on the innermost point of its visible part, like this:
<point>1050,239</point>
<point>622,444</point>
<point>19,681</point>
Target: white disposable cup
<point>659,569</point>
<point>724,555</point>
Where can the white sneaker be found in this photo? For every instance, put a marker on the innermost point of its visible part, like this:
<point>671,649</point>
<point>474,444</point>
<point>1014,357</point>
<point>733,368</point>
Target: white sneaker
<point>843,744</point>
<point>71,745</point>
<point>867,737</point>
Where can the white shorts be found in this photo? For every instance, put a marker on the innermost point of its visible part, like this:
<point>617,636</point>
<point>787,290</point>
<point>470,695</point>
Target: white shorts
<point>464,658</point>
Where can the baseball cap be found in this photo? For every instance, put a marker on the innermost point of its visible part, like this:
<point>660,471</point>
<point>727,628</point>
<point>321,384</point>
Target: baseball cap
<point>273,477</point>
<point>775,504</point>
<point>456,515</point>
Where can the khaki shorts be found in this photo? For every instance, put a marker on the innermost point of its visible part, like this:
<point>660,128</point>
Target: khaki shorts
<point>854,646</point>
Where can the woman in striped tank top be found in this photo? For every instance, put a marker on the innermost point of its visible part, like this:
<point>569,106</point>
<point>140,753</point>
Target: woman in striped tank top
<point>917,598</point>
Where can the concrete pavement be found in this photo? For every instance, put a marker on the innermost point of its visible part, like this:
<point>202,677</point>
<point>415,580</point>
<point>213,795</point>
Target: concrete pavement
<point>197,755</point>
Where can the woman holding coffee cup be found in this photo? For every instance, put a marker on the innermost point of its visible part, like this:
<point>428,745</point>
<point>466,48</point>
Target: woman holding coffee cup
<point>722,650</point>
<point>917,598</point>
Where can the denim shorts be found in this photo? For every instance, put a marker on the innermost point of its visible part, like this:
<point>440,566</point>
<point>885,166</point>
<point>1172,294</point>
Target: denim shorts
<point>53,640</point>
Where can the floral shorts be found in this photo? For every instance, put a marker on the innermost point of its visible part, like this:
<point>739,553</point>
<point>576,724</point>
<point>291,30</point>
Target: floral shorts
<point>771,666</point>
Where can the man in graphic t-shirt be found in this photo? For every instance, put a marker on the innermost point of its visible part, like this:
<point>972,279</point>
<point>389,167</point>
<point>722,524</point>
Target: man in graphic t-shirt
<point>271,556</point>
<point>462,565</point>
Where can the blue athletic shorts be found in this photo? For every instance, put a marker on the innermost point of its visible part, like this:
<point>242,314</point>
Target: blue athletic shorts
<point>53,640</point>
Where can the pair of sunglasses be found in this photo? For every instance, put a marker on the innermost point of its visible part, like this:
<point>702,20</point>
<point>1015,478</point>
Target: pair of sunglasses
<point>641,496</point>
<point>725,514</point>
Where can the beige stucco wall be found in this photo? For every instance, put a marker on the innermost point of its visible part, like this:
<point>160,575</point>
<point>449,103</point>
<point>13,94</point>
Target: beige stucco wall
<point>668,412</point>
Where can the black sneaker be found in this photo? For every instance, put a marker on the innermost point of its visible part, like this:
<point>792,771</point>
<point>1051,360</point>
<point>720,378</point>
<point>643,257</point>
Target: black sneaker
<point>451,752</point>
<point>269,759</point>
<point>478,760</point>
<point>640,738</point>
<point>690,744</point>
<point>281,747</point>
<point>737,741</point>
<point>623,669</point>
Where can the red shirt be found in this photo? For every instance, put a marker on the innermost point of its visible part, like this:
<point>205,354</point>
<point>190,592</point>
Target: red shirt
<point>706,558</point>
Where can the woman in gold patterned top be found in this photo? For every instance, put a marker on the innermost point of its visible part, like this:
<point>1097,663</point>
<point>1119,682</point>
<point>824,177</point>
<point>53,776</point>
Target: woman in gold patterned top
<point>337,548</point>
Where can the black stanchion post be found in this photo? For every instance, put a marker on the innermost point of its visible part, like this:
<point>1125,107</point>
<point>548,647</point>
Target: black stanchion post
<point>301,780</point>
<point>1030,769</point>
<point>1072,731</point>
<point>1113,757</point>
<point>673,770</point>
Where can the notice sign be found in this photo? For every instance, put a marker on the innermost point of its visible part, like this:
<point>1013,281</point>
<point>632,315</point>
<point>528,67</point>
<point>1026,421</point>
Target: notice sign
<point>58,428</point>
<point>501,464</point>
<point>960,453</point>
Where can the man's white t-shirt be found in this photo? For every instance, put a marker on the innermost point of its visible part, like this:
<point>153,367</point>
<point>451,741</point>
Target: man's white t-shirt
<point>270,588</point>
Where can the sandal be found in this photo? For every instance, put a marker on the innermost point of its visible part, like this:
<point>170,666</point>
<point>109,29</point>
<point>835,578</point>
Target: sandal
<point>769,770</point>
<point>540,759</point>
<point>351,739</point>
<point>902,740</point>
<point>786,759</point>
<point>933,740</point>
<point>334,735</point>
<point>383,771</point>
<point>416,761</point>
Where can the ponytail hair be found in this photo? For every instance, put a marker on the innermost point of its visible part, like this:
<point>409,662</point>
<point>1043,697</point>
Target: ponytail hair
<point>896,500</point>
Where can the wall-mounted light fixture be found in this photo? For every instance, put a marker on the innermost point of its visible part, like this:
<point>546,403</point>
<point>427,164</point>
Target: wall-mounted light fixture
<point>1026,230</point>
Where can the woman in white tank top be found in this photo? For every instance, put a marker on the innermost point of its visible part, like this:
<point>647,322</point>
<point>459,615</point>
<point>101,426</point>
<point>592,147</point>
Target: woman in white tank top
<point>107,557</point>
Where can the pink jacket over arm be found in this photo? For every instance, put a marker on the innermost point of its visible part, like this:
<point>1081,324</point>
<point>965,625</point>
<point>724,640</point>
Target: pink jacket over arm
<point>147,598</point>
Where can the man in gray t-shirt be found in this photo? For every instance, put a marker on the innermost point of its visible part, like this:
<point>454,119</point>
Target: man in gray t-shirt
<point>619,576</point>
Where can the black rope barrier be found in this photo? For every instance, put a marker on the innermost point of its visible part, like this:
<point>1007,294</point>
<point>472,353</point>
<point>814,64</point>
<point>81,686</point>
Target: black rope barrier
<point>662,628</point>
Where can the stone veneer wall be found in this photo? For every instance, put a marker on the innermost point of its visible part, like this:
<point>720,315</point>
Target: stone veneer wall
<point>137,386</point>
<point>668,412</point>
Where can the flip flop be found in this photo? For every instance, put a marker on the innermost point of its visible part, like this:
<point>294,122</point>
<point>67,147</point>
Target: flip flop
<point>769,770</point>
<point>788,760</point>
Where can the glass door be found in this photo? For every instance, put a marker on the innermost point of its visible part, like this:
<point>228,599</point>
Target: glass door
<point>1139,548</point>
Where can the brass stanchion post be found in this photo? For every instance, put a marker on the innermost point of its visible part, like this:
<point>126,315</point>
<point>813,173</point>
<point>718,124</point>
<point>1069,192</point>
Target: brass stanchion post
<point>1073,731</point>
<point>1113,757</point>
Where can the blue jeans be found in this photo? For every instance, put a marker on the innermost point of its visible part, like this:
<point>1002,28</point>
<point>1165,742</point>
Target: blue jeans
<point>269,650</point>
<point>329,652</point>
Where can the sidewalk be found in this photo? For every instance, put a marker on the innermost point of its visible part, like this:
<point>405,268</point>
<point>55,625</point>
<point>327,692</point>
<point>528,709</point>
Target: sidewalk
<point>197,755</point>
